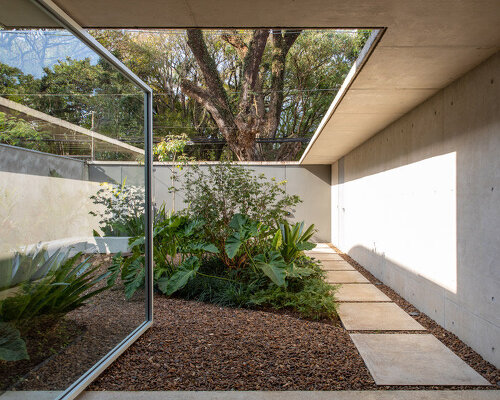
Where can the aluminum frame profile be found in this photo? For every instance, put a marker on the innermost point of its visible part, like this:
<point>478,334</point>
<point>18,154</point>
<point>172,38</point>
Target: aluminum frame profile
<point>67,22</point>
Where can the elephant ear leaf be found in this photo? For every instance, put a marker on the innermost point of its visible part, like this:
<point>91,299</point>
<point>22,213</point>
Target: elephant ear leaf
<point>273,266</point>
<point>181,277</point>
<point>238,221</point>
<point>233,244</point>
<point>12,347</point>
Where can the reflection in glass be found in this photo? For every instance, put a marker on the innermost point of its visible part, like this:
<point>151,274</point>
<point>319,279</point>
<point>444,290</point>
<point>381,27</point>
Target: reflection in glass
<point>64,216</point>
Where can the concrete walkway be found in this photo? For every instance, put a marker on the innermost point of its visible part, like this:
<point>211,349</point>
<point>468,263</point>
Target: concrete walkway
<point>285,395</point>
<point>393,358</point>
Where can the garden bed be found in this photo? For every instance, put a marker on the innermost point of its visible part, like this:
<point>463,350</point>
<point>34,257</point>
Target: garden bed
<point>75,344</point>
<point>198,346</point>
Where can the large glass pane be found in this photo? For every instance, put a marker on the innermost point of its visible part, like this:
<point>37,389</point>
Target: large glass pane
<point>63,218</point>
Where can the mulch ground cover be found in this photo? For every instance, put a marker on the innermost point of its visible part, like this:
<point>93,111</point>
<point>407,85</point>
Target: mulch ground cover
<point>197,346</point>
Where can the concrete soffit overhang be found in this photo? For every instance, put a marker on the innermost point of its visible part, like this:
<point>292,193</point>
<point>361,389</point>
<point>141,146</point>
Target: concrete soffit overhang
<point>421,47</point>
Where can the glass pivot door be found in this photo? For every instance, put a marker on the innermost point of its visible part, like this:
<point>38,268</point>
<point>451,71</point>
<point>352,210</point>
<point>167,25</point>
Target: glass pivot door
<point>66,102</point>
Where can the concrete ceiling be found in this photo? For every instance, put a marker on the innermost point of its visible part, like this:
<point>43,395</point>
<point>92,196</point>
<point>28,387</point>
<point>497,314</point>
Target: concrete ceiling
<point>427,44</point>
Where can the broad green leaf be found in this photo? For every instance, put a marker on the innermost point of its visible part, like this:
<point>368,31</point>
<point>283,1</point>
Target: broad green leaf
<point>181,277</point>
<point>306,246</point>
<point>277,240</point>
<point>137,241</point>
<point>233,244</point>
<point>12,347</point>
<point>273,266</point>
<point>238,221</point>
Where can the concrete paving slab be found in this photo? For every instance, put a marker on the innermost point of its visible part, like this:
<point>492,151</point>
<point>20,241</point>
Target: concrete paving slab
<point>322,246</point>
<point>322,250</point>
<point>376,317</point>
<point>345,277</point>
<point>31,394</point>
<point>336,265</point>
<point>297,395</point>
<point>359,292</point>
<point>325,256</point>
<point>412,359</point>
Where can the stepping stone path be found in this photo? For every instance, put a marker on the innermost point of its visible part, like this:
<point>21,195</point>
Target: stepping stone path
<point>334,265</point>
<point>359,292</point>
<point>336,277</point>
<point>392,358</point>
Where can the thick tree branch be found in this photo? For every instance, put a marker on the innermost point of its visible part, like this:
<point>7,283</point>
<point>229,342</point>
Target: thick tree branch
<point>237,42</point>
<point>251,65</point>
<point>282,41</point>
<point>207,65</point>
<point>221,116</point>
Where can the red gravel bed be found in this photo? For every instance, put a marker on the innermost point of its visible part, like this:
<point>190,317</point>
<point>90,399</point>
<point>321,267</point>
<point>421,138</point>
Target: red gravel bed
<point>487,370</point>
<point>197,346</point>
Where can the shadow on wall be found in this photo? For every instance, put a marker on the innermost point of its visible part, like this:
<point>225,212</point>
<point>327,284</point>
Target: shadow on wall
<point>420,202</point>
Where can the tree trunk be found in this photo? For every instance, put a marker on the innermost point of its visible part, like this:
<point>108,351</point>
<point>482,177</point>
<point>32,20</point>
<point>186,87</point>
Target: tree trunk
<point>251,119</point>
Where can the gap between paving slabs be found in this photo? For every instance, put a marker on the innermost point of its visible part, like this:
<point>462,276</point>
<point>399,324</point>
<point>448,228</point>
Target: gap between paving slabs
<point>397,358</point>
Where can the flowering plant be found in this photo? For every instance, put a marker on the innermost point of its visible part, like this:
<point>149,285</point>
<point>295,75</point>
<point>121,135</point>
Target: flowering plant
<point>121,209</point>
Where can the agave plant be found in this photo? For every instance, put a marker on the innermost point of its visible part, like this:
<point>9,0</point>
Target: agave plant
<point>63,288</point>
<point>29,266</point>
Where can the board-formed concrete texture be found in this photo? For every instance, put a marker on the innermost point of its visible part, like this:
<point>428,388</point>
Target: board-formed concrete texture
<point>431,226</point>
<point>359,292</point>
<point>376,317</point>
<point>335,265</point>
<point>413,359</point>
<point>345,277</point>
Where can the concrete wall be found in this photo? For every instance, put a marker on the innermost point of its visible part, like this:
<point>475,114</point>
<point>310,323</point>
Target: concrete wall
<point>25,161</point>
<point>311,183</point>
<point>419,206</point>
<point>40,209</point>
<point>43,197</point>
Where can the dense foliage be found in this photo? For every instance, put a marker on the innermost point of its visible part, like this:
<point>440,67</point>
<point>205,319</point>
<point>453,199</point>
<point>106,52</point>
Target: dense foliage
<point>313,70</point>
<point>232,247</point>
<point>38,285</point>
<point>91,93</point>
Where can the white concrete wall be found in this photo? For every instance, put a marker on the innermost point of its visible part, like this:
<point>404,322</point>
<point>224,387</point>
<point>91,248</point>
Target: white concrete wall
<point>419,206</point>
<point>43,198</point>
<point>40,209</point>
<point>311,183</point>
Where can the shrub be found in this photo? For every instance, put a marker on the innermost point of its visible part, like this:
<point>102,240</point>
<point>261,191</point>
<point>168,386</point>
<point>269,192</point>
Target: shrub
<point>120,209</point>
<point>42,286</point>
<point>178,248</point>
<point>222,190</point>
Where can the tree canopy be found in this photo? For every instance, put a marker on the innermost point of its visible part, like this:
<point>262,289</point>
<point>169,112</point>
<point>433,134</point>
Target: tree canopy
<point>244,94</point>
